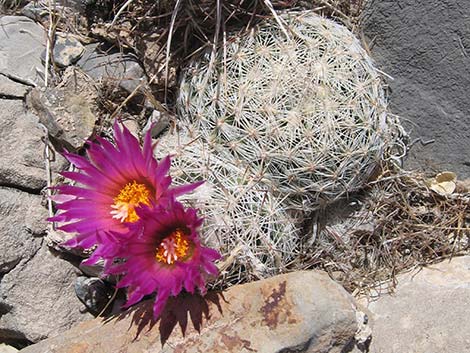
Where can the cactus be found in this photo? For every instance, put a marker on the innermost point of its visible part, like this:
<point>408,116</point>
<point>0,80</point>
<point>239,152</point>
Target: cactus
<point>305,114</point>
<point>257,237</point>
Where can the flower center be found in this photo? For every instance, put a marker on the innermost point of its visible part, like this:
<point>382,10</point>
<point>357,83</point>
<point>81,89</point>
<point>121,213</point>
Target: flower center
<point>130,196</point>
<point>173,248</point>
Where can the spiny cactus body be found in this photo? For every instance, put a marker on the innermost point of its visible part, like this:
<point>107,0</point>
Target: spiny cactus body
<point>257,237</point>
<point>305,114</point>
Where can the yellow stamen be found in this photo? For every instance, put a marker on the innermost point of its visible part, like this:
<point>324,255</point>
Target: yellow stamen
<point>173,248</point>
<point>130,196</point>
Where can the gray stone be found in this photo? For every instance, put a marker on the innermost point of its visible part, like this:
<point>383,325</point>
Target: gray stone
<point>21,43</point>
<point>22,163</point>
<point>75,5</point>
<point>35,10</point>
<point>67,50</point>
<point>11,89</point>
<point>425,46</point>
<point>23,219</point>
<point>158,122</point>
<point>93,292</point>
<point>297,312</point>
<point>95,270</point>
<point>38,299</point>
<point>119,68</point>
<point>428,312</point>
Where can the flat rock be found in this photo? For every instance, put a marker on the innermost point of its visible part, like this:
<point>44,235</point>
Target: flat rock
<point>428,312</point>
<point>38,299</point>
<point>425,46</point>
<point>121,69</point>
<point>23,220</point>
<point>22,163</point>
<point>21,43</point>
<point>11,89</point>
<point>297,312</point>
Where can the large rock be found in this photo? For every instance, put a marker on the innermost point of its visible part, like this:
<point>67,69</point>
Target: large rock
<point>425,46</point>
<point>23,220</point>
<point>22,163</point>
<point>21,43</point>
<point>37,298</point>
<point>428,312</point>
<point>298,312</point>
<point>121,69</point>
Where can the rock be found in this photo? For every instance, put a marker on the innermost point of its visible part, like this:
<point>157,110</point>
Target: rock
<point>95,270</point>
<point>132,125</point>
<point>122,69</point>
<point>22,42</point>
<point>23,220</point>
<point>38,298</point>
<point>158,122</point>
<point>77,6</point>
<point>67,50</point>
<point>93,292</point>
<point>22,163</point>
<point>11,89</point>
<point>67,111</point>
<point>70,14</point>
<point>149,49</point>
<point>428,312</point>
<point>7,349</point>
<point>35,10</point>
<point>425,46</point>
<point>297,312</point>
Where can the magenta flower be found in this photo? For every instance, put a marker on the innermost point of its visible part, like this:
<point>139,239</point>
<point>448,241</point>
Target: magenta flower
<point>114,181</point>
<point>161,253</point>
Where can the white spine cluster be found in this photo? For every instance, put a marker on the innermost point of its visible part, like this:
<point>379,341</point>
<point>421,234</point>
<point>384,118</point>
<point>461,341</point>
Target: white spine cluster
<point>257,237</point>
<point>305,116</point>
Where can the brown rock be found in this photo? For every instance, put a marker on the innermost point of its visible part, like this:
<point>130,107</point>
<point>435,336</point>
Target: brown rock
<point>297,312</point>
<point>68,111</point>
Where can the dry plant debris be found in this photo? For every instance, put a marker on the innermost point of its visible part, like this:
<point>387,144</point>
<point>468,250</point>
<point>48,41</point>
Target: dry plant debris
<point>400,224</point>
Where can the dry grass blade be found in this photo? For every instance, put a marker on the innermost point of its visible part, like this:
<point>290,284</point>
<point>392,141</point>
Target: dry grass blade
<point>168,43</point>
<point>278,19</point>
<point>121,10</point>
